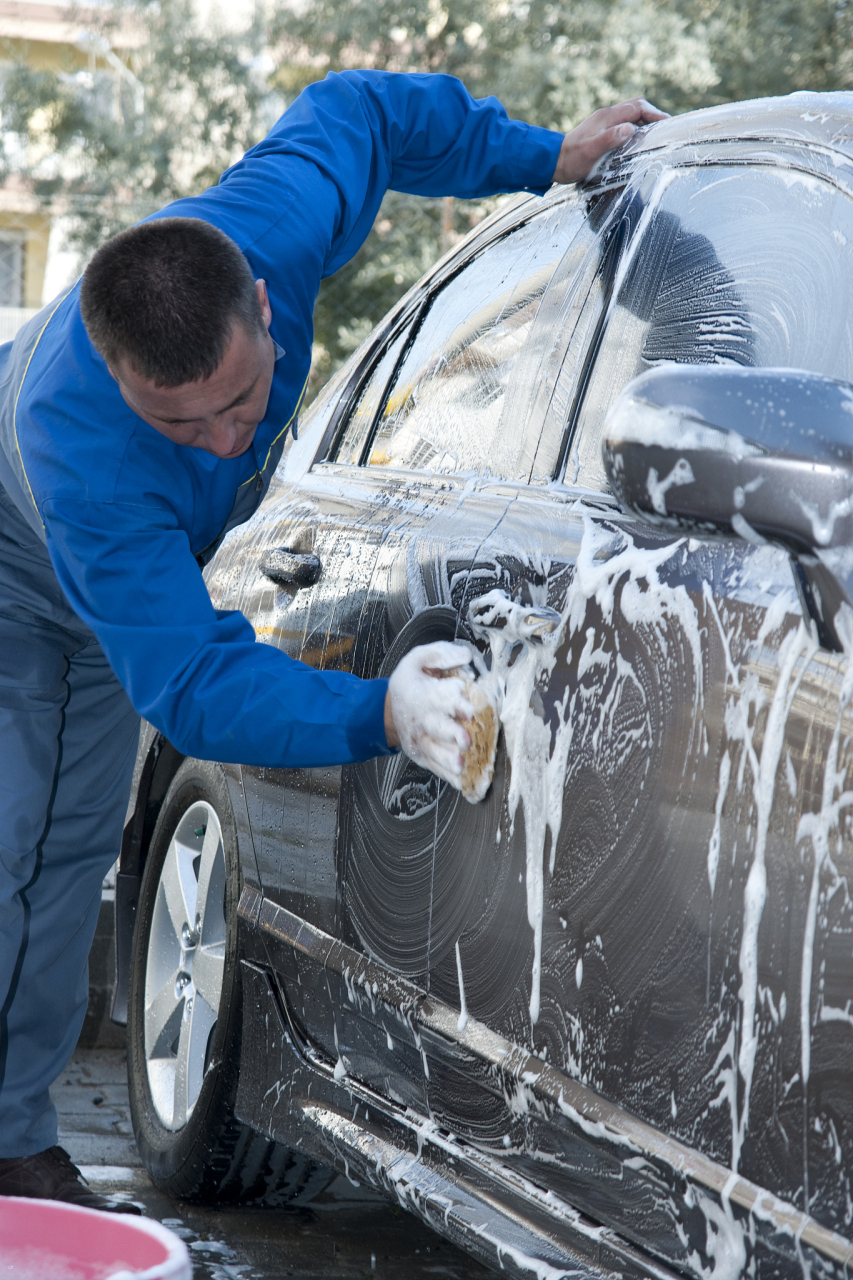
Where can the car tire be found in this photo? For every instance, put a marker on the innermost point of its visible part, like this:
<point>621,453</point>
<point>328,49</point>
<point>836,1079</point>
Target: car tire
<point>185,1012</point>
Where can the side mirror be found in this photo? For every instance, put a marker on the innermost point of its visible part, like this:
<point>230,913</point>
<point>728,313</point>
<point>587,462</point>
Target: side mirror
<point>765,455</point>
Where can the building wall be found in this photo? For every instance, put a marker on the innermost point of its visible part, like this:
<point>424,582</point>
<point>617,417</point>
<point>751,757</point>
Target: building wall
<point>45,37</point>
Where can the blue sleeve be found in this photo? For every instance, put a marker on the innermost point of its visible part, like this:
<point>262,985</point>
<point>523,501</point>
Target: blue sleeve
<point>198,674</point>
<point>365,132</point>
<point>299,205</point>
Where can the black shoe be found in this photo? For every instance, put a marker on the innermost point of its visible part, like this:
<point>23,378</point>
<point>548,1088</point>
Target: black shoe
<point>51,1175</point>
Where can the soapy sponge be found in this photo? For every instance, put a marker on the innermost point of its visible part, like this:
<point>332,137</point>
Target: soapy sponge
<point>479,766</point>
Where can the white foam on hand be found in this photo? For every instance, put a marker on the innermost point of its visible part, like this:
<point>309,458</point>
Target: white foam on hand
<point>429,707</point>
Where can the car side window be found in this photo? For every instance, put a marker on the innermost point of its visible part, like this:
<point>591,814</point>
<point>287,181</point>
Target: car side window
<point>444,410</point>
<point>730,265</point>
<point>352,442</point>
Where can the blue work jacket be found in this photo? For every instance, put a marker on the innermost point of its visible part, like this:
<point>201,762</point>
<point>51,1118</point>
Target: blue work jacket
<point>124,510</point>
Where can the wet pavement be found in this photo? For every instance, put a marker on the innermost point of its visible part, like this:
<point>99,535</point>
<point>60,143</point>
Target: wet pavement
<point>348,1232</point>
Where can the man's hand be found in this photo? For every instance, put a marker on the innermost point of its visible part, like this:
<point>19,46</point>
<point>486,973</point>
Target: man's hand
<point>426,704</point>
<point>604,130</point>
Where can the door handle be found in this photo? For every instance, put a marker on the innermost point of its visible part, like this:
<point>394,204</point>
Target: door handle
<point>291,568</point>
<point>496,612</point>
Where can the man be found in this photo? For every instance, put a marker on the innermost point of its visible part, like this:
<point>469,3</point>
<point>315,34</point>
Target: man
<point>141,417</point>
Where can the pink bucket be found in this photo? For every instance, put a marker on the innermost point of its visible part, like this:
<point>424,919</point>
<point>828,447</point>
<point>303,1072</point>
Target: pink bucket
<point>49,1240</point>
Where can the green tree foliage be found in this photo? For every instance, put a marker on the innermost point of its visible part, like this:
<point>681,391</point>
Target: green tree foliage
<point>761,48</point>
<point>108,149</point>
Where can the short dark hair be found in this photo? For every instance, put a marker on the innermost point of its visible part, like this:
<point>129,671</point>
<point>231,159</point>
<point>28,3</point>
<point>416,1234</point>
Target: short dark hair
<point>164,296</point>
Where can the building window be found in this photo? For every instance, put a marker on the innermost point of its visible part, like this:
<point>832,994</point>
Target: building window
<point>11,269</point>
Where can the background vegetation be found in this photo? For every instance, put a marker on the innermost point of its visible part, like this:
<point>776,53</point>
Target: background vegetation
<point>104,153</point>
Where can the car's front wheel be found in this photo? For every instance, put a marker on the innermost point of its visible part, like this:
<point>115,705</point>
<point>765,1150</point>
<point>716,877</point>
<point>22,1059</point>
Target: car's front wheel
<point>185,1010</point>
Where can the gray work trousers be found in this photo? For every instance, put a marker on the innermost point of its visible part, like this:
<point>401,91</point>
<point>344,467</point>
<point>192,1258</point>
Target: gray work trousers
<point>68,737</point>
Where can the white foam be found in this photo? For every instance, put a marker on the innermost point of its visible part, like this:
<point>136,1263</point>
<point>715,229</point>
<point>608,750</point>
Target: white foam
<point>714,843</point>
<point>633,420</point>
<point>818,828</point>
<point>463,1008</point>
<point>725,1238</point>
<point>795,652</point>
<point>538,753</point>
<point>657,489</point>
<point>823,527</point>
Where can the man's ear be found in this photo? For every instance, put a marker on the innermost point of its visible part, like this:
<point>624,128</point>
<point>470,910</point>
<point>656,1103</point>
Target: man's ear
<point>263,299</point>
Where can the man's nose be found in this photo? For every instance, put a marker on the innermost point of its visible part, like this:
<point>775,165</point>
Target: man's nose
<point>221,438</point>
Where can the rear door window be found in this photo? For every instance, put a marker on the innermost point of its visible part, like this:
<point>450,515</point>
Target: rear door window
<point>351,444</point>
<point>730,265</point>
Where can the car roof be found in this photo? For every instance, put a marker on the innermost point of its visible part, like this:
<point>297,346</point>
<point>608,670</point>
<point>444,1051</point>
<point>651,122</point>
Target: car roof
<point>822,121</point>
<point>810,124</point>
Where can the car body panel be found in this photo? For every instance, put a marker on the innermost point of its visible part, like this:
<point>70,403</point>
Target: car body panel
<point>675,1202</point>
<point>624,981</point>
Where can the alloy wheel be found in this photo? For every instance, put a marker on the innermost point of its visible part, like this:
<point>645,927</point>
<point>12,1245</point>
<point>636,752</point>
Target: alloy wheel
<point>185,964</point>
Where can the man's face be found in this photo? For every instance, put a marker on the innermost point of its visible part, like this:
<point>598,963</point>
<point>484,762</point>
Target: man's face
<point>221,413</point>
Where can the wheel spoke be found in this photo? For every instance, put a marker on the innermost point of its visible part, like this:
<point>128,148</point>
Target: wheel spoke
<point>164,947</point>
<point>208,970</point>
<point>161,1019</point>
<point>202,1019</point>
<point>179,882</point>
<point>185,964</point>
<point>210,902</point>
<point>181,1107</point>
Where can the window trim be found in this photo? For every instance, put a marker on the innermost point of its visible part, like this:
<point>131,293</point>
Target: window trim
<point>618,238</point>
<point>540,406</point>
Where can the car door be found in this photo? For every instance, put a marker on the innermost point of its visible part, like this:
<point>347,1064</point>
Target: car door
<point>340,524</point>
<point>672,930</point>
<point>363,524</point>
<point>412,477</point>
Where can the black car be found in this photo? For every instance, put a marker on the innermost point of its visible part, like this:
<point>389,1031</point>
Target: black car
<point>602,1021</point>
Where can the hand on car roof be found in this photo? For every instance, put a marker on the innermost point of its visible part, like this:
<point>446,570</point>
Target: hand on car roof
<point>601,132</point>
